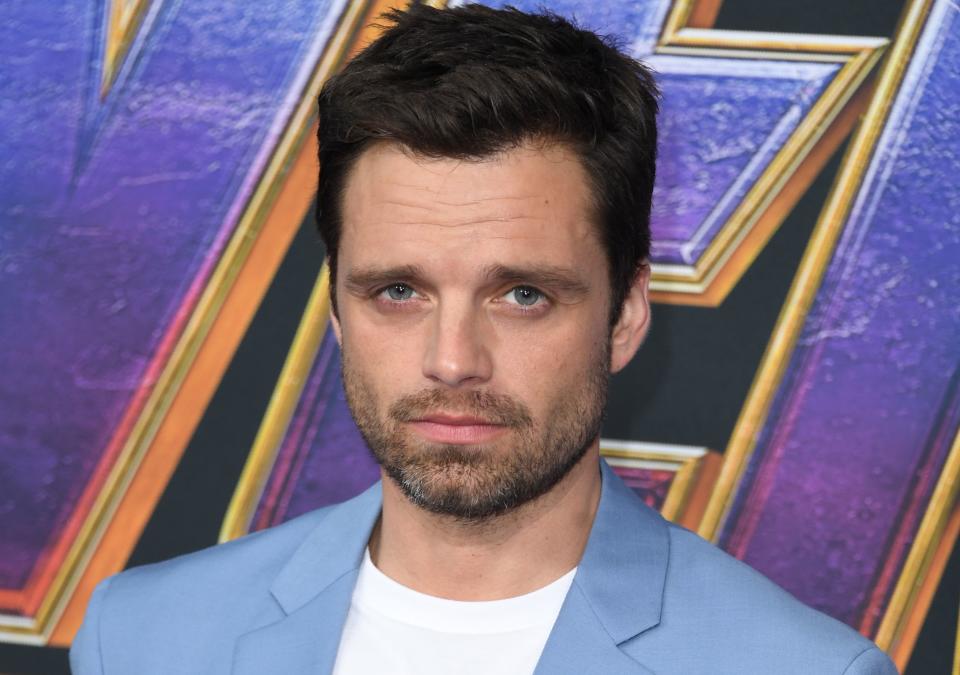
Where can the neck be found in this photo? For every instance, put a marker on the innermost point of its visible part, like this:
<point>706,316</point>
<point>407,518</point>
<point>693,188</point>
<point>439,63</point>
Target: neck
<point>502,557</point>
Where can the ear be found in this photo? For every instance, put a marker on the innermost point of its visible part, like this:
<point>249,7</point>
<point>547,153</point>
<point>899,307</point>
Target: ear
<point>634,322</point>
<point>334,319</point>
<point>335,323</point>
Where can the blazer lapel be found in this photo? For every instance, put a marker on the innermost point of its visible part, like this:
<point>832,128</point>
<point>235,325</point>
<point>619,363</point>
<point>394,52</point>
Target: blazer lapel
<point>618,589</point>
<point>579,643</point>
<point>305,641</point>
<point>314,590</point>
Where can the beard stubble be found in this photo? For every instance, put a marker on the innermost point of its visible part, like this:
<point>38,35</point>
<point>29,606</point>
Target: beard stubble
<point>478,482</point>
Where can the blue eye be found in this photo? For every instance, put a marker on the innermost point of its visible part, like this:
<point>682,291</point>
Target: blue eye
<point>526,296</point>
<point>398,292</point>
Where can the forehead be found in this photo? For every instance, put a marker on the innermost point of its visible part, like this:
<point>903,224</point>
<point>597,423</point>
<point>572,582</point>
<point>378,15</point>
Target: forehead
<point>529,202</point>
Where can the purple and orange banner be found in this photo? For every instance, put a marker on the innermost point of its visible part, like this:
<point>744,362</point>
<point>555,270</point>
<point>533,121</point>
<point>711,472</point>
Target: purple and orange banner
<point>159,159</point>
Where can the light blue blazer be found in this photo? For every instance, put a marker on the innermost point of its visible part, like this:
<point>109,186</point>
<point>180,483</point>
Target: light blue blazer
<point>648,597</point>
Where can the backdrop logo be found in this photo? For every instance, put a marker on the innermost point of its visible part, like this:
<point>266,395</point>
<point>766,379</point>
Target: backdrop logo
<point>150,136</point>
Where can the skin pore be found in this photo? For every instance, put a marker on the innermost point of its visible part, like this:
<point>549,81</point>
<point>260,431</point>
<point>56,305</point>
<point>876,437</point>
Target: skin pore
<point>473,299</point>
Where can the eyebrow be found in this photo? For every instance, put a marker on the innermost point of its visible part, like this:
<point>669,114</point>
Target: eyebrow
<point>370,277</point>
<point>558,278</point>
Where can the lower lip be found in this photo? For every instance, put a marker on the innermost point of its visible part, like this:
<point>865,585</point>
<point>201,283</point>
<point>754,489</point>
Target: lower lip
<point>455,433</point>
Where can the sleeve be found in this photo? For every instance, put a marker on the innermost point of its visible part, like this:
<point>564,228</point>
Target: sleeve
<point>85,656</point>
<point>871,661</point>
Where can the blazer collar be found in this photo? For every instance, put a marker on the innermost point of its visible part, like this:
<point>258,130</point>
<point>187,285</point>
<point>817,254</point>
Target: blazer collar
<point>333,548</point>
<point>579,643</point>
<point>623,571</point>
<point>314,590</point>
<point>618,589</point>
<point>617,593</point>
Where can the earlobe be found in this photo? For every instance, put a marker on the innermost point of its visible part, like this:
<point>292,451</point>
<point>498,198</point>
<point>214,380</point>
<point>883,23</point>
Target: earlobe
<point>634,322</point>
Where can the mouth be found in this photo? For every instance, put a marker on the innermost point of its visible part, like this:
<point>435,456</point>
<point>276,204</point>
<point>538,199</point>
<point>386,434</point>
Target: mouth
<point>456,429</point>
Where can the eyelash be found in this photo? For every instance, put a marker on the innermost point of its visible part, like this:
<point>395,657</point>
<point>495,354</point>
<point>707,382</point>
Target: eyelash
<point>379,295</point>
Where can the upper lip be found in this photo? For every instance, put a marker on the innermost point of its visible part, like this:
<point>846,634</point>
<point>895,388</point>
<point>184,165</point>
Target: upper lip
<point>455,420</point>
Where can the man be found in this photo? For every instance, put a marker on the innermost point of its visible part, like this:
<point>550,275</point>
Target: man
<point>484,197</point>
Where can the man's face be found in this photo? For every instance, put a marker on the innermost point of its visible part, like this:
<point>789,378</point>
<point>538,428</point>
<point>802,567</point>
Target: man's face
<point>473,302</point>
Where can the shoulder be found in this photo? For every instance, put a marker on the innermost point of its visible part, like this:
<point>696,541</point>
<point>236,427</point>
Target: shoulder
<point>199,603</point>
<point>751,620</point>
<point>702,575</point>
<point>252,560</point>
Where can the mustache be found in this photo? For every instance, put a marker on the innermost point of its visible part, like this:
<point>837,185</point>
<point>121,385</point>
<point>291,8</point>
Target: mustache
<point>495,408</point>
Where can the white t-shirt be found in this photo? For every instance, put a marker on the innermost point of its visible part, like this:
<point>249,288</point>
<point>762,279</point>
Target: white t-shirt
<point>392,629</point>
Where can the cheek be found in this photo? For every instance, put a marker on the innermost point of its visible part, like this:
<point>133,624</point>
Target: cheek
<point>550,346</point>
<point>385,359</point>
<point>379,343</point>
<point>542,370</point>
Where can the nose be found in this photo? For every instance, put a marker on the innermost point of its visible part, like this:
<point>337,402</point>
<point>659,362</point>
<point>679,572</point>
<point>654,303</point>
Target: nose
<point>456,350</point>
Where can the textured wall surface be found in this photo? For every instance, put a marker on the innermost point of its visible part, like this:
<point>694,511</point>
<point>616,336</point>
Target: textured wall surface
<point>114,212</point>
<point>870,405</point>
<point>724,120</point>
